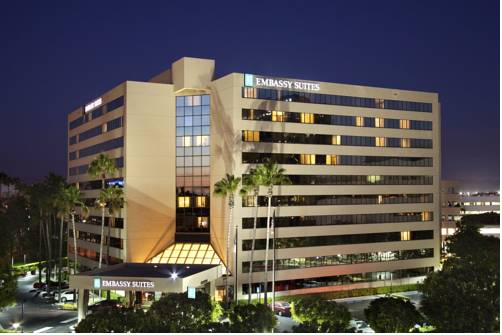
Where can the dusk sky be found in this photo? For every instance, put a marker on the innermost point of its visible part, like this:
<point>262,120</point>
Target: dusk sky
<point>57,56</point>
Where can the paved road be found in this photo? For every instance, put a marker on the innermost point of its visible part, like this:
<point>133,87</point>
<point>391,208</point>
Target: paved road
<point>39,316</point>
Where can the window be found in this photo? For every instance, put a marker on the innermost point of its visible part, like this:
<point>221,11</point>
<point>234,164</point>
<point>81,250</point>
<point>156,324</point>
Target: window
<point>201,140</point>
<point>380,141</point>
<point>405,235</point>
<point>336,140</point>
<point>200,201</point>
<point>359,121</point>
<point>278,116</point>
<point>373,179</point>
<point>426,216</point>
<point>250,92</point>
<point>251,136</point>
<point>187,141</point>
<point>405,143</point>
<point>331,160</point>
<point>73,139</point>
<point>183,202</point>
<point>202,222</point>
<point>379,122</point>
<point>307,159</point>
<point>379,103</point>
<point>307,118</point>
<point>114,104</point>
<point>404,124</point>
<point>248,201</point>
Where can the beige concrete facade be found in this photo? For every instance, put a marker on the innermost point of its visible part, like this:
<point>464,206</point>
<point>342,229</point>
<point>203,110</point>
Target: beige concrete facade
<point>149,171</point>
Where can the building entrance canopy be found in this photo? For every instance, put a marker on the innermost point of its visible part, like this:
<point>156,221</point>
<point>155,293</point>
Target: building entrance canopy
<point>146,277</point>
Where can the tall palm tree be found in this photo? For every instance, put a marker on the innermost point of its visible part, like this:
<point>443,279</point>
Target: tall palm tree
<point>251,183</point>
<point>114,199</point>
<point>100,167</point>
<point>74,197</point>
<point>270,174</point>
<point>63,209</point>
<point>227,187</point>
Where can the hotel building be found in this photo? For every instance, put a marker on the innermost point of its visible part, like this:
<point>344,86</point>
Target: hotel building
<point>363,207</point>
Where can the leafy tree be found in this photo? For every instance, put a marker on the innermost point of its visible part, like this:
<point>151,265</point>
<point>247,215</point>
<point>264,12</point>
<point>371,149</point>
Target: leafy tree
<point>175,312</point>
<point>74,197</point>
<point>315,315</point>
<point>270,174</point>
<point>464,295</point>
<point>100,167</point>
<point>8,284</point>
<point>227,187</point>
<point>392,315</point>
<point>113,320</point>
<point>251,318</point>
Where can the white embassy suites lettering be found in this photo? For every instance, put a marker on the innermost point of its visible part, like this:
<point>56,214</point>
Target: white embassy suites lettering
<point>282,83</point>
<point>127,283</point>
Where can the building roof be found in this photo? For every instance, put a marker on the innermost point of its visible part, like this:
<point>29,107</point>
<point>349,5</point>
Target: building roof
<point>187,253</point>
<point>148,270</point>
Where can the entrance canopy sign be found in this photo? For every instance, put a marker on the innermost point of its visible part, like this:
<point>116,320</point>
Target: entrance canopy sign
<point>191,292</point>
<point>99,283</point>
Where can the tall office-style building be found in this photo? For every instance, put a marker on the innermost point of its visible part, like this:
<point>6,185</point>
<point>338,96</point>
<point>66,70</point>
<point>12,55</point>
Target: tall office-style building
<point>363,207</point>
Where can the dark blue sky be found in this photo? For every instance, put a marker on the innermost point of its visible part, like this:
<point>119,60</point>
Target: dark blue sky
<point>56,56</point>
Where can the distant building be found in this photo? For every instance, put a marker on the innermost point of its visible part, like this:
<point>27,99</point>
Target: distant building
<point>7,191</point>
<point>457,201</point>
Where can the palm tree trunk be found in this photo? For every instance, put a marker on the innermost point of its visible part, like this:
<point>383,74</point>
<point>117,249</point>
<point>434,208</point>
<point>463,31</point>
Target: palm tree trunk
<point>250,291</point>
<point>60,274</point>
<point>40,238</point>
<point>269,196</point>
<point>229,233</point>
<point>101,240</point>
<point>49,252</point>
<point>74,242</point>
<point>110,220</point>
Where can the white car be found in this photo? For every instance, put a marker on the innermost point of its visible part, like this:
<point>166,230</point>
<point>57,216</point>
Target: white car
<point>361,326</point>
<point>65,296</point>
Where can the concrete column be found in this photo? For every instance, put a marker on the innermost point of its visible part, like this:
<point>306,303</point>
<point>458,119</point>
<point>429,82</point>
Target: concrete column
<point>83,301</point>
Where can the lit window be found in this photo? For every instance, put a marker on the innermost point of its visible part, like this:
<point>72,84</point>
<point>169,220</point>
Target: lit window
<point>202,222</point>
<point>250,92</point>
<point>331,160</point>
<point>248,201</point>
<point>336,140</point>
<point>201,140</point>
<point>278,116</point>
<point>426,216</point>
<point>380,199</point>
<point>379,122</point>
<point>307,159</point>
<point>359,121</point>
<point>307,118</point>
<point>104,127</point>
<point>380,141</point>
<point>404,124</point>
<point>187,141</point>
<point>251,136</point>
<point>379,103</point>
<point>373,179</point>
<point>183,202</point>
<point>200,201</point>
<point>405,235</point>
<point>405,143</point>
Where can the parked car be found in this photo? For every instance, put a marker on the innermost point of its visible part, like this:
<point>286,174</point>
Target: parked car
<point>311,283</point>
<point>53,285</point>
<point>282,308</point>
<point>67,295</point>
<point>105,304</point>
<point>361,326</point>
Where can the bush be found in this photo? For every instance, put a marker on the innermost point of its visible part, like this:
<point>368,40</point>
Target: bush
<point>317,315</point>
<point>250,318</point>
<point>113,320</point>
<point>392,315</point>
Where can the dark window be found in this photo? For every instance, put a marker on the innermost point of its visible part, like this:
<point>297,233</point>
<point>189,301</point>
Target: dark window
<point>105,146</point>
<point>114,104</point>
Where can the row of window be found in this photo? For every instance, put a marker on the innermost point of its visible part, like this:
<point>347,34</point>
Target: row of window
<point>365,257</point>
<point>96,184</point>
<point>317,241</point>
<point>343,199</point>
<point>101,147</point>
<point>82,169</point>
<point>94,255</point>
<point>112,105</point>
<point>311,159</point>
<point>347,279</point>
<point>96,238</point>
<point>301,179</point>
<point>328,119</point>
<point>330,99</point>
<point>96,220</point>
<point>193,100</point>
<point>299,138</point>
<point>345,219</point>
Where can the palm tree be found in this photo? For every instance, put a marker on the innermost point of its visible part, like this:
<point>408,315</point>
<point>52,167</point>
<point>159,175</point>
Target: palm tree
<point>270,174</point>
<point>63,209</point>
<point>74,197</point>
<point>227,187</point>
<point>100,167</point>
<point>251,183</point>
<point>114,199</point>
